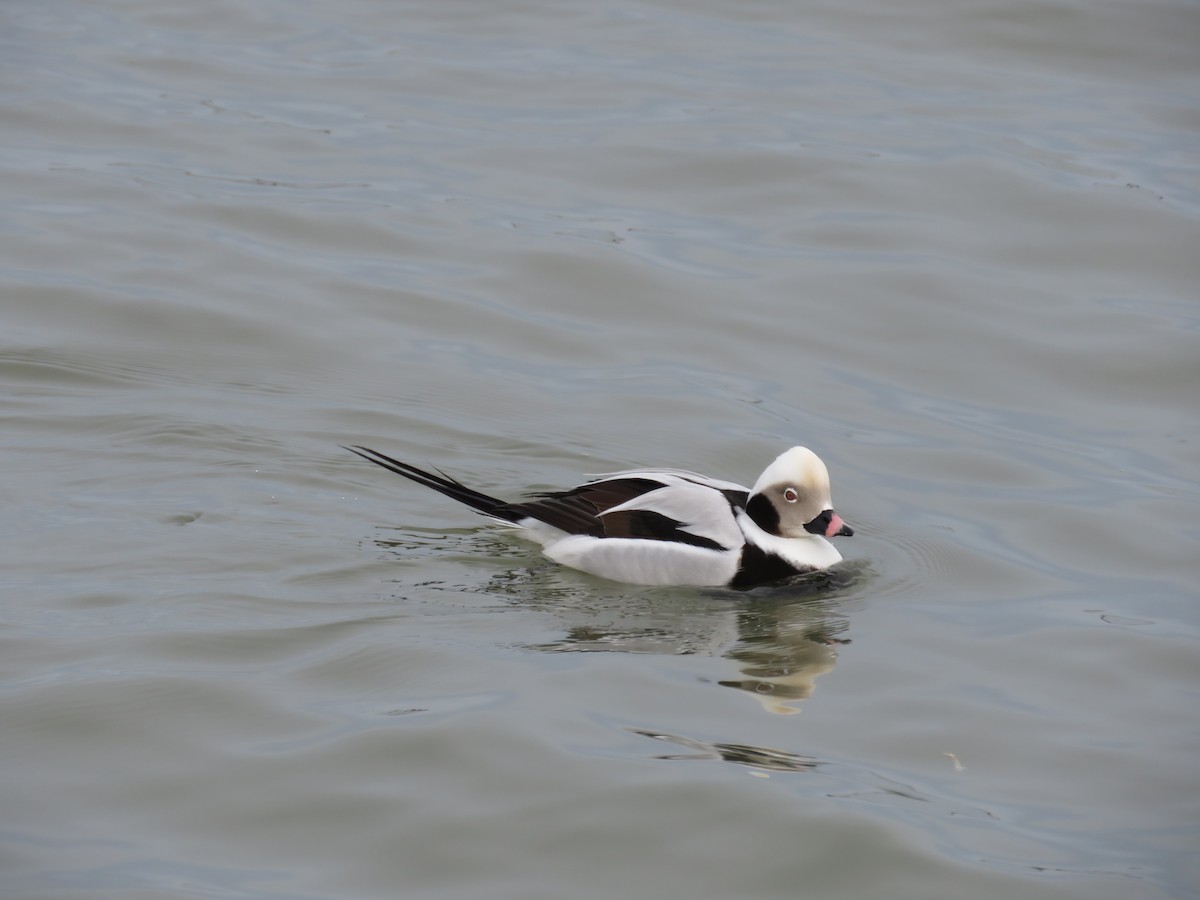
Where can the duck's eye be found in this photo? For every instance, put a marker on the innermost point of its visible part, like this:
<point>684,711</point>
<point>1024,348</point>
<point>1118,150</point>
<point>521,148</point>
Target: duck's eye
<point>790,495</point>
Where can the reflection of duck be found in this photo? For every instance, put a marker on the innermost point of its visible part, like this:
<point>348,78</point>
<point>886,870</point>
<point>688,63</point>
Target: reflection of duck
<point>742,754</point>
<point>781,640</point>
<point>669,526</point>
<point>782,668</point>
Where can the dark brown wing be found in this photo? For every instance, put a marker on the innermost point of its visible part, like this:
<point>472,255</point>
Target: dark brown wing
<point>578,510</point>
<point>585,510</point>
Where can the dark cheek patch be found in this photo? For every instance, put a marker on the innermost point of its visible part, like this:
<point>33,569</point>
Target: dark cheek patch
<point>764,513</point>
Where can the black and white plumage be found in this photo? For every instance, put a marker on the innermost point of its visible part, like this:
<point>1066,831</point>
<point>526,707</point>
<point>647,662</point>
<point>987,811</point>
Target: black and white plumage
<point>669,526</point>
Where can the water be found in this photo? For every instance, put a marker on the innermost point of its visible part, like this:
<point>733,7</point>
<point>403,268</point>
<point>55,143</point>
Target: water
<point>952,248</point>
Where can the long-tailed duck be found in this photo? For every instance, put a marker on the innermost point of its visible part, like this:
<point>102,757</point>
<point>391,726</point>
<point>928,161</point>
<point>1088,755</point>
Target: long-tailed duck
<point>669,526</point>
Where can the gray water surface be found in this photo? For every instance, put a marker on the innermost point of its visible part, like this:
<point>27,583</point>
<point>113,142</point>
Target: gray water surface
<point>952,247</point>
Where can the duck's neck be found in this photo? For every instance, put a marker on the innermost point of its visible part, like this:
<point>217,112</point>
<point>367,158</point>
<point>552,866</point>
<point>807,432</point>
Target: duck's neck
<point>808,551</point>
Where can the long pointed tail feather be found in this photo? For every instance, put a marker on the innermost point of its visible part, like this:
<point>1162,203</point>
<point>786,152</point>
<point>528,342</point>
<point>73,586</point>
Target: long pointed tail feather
<point>441,483</point>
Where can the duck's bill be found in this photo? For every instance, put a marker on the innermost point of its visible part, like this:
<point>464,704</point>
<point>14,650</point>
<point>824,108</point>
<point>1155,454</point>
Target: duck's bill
<point>838,528</point>
<point>829,524</point>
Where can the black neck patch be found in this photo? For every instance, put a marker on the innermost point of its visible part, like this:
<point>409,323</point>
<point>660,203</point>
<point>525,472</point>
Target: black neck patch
<point>758,566</point>
<point>764,513</point>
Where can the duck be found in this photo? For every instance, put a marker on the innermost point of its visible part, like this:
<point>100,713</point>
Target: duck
<point>670,526</point>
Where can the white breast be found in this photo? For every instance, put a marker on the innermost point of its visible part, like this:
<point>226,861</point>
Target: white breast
<point>645,562</point>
